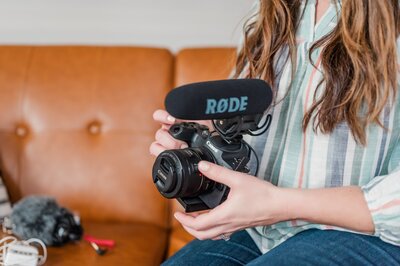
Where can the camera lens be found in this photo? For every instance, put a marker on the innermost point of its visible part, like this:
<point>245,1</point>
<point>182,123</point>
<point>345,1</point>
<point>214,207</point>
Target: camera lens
<point>176,175</point>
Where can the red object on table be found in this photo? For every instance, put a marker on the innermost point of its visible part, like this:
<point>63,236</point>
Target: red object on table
<point>101,242</point>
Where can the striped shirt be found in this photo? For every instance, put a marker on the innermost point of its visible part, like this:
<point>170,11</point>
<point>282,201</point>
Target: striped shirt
<point>292,158</point>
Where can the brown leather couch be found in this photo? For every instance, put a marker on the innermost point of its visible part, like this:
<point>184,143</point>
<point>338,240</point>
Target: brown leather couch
<point>76,124</point>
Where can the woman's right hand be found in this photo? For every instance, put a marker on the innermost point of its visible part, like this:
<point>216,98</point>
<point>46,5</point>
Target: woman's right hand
<point>163,140</point>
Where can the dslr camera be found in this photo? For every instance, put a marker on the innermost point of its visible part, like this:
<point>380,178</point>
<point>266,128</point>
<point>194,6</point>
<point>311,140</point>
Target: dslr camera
<point>175,172</point>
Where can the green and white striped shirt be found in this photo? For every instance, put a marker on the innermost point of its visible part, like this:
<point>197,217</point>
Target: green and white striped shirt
<point>292,158</point>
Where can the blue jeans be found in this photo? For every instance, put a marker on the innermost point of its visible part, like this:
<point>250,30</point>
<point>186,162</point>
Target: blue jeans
<point>311,247</point>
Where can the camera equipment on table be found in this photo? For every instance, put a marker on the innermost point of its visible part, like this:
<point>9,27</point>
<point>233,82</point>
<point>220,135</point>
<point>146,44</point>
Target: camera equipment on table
<point>235,107</point>
<point>41,217</point>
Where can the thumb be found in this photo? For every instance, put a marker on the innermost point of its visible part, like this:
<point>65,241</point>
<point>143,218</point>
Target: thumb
<point>220,174</point>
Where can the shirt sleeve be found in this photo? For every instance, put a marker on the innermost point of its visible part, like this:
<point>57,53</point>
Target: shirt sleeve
<point>382,195</point>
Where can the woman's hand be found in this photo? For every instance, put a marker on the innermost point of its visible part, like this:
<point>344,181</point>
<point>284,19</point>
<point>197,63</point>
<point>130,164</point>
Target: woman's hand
<point>251,202</point>
<point>164,140</point>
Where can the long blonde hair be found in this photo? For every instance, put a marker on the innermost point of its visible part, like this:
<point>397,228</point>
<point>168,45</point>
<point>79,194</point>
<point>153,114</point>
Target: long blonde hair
<point>359,59</point>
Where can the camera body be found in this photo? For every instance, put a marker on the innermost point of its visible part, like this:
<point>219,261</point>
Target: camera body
<point>175,172</point>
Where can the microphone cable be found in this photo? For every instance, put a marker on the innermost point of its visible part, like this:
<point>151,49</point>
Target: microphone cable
<point>21,252</point>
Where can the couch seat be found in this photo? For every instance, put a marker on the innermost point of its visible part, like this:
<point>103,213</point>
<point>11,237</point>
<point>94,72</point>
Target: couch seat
<point>136,244</point>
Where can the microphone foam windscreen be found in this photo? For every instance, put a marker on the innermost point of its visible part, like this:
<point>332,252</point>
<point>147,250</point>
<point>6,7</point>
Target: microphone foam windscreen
<point>35,217</point>
<point>219,99</point>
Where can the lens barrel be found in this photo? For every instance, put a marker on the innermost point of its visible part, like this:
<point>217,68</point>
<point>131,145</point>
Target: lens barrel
<point>175,173</point>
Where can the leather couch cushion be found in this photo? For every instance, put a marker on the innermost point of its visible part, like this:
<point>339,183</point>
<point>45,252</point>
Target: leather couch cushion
<point>178,239</point>
<point>136,244</point>
<point>76,123</point>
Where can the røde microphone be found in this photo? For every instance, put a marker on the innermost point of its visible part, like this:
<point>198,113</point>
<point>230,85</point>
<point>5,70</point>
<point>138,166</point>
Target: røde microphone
<point>220,99</point>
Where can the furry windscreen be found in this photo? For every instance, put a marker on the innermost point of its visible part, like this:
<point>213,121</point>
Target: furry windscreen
<point>35,217</point>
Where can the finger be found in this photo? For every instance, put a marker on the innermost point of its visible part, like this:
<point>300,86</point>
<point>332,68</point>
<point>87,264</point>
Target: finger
<point>192,232</point>
<point>213,233</point>
<point>197,234</point>
<point>162,116</point>
<point>192,214</point>
<point>165,126</point>
<point>156,148</point>
<point>169,142</point>
<point>220,174</point>
<point>202,221</point>
<point>219,237</point>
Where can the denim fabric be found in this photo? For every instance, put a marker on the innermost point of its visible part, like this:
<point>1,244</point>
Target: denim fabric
<point>311,247</point>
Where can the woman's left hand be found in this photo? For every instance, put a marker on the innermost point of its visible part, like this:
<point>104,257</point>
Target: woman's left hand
<point>251,202</point>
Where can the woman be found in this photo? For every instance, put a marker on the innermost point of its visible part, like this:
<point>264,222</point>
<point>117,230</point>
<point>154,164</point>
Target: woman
<point>328,191</point>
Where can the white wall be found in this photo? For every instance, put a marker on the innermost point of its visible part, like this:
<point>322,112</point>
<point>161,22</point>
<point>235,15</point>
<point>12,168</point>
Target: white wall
<point>166,23</point>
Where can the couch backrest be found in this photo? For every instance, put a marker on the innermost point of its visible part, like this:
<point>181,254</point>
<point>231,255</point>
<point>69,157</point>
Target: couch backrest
<point>202,64</point>
<point>76,123</point>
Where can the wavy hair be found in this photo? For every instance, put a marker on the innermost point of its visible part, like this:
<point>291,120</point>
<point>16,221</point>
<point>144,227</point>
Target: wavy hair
<point>358,58</point>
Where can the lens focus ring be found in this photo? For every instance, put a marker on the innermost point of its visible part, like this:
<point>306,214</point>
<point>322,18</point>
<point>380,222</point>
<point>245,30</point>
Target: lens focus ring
<point>176,175</point>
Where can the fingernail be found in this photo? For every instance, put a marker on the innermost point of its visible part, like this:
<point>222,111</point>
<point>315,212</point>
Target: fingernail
<point>184,146</point>
<point>171,119</point>
<point>203,166</point>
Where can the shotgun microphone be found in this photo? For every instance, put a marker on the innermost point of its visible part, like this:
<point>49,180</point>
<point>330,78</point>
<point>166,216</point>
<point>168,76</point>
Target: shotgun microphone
<point>235,106</point>
<point>219,99</point>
